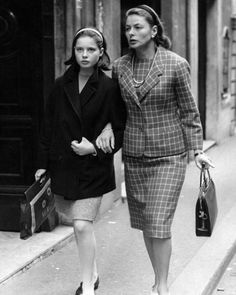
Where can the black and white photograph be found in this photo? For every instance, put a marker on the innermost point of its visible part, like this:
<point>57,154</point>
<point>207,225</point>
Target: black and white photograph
<point>118,147</point>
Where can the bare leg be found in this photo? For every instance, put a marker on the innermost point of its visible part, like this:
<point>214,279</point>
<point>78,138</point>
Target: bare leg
<point>149,246</point>
<point>86,243</point>
<point>159,251</point>
<point>162,252</point>
<point>95,270</point>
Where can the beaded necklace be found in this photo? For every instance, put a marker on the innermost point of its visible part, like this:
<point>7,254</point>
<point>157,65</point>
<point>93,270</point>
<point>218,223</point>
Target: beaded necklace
<point>136,82</point>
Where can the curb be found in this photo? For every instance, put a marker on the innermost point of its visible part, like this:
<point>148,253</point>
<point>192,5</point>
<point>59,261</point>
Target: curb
<point>47,244</point>
<point>207,144</point>
<point>202,273</point>
<point>55,240</point>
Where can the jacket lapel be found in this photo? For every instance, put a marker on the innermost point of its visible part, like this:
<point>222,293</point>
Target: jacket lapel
<point>153,77</point>
<point>126,79</point>
<point>151,80</point>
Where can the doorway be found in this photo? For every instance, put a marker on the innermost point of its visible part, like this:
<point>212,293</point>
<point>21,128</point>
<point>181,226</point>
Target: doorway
<point>26,74</point>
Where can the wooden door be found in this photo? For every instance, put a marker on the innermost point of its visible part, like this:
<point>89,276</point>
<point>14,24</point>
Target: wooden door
<point>26,73</point>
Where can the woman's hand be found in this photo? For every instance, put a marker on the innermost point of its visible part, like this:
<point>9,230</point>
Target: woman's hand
<point>39,173</point>
<point>106,140</point>
<point>83,148</point>
<point>202,159</point>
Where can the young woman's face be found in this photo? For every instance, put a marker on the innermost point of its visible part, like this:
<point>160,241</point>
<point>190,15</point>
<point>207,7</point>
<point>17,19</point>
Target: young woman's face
<point>87,53</point>
<point>138,31</point>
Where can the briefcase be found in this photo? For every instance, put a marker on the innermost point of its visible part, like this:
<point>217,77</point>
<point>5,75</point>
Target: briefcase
<point>39,203</point>
<point>206,206</point>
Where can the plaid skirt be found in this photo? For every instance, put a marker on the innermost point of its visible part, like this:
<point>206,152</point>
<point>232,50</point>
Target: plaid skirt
<point>153,186</point>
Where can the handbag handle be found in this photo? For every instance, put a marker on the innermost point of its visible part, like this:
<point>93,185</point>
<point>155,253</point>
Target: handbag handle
<point>203,178</point>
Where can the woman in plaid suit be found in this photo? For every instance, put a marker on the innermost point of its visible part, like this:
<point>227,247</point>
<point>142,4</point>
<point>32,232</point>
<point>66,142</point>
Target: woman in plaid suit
<point>163,123</point>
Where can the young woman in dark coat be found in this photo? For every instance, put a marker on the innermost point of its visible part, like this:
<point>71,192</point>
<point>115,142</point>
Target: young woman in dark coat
<point>81,103</point>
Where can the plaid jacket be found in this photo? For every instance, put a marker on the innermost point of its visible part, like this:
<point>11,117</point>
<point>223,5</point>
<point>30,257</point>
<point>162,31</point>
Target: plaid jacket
<point>164,120</point>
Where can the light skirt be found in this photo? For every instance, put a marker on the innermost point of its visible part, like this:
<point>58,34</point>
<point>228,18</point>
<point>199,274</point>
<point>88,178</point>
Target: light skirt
<point>84,209</point>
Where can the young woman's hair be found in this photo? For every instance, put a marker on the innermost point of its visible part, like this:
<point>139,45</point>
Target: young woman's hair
<point>104,61</point>
<point>153,19</point>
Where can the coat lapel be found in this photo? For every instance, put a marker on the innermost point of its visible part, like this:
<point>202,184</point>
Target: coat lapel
<point>79,100</point>
<point>153,77</point>
<point>72,91</point>
<point>89,89</point>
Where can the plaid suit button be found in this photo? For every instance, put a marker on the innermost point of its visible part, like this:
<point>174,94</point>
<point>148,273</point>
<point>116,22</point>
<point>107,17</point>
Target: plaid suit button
<point>141,128</point>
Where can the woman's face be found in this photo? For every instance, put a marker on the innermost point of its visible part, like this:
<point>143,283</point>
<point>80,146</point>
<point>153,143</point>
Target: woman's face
<point>87,53</point>
<point>138,31</point>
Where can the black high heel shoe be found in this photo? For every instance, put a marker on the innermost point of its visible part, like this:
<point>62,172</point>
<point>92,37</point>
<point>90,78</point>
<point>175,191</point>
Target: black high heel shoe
<point>79,291</point>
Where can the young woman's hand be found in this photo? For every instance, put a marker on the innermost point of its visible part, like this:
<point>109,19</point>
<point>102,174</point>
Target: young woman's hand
<point>203,159</point>
<point>83,148</point>
<point>39,173</point>
<point>106,140</point>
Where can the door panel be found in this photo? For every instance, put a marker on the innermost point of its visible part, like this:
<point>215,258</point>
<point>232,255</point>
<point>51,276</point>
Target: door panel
<point>16,103</point>
<point>22,86</point>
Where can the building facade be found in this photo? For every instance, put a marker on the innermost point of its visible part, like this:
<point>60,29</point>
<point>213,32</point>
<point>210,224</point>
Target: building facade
<point>202,31</point>
<point>35,40</point>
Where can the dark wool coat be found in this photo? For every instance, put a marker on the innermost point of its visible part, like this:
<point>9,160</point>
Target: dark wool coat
<point>70,116</point>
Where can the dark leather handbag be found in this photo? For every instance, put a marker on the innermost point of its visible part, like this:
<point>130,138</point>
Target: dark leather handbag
<point>206,205</point>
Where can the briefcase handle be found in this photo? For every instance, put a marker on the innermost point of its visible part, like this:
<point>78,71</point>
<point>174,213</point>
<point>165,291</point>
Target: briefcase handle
<point>41,180</point>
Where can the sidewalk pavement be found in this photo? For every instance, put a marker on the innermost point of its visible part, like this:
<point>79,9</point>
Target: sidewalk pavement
<point>227,284</point>
<point>197,263</point>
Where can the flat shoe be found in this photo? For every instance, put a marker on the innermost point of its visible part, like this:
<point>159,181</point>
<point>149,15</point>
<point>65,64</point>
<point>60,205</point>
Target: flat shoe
<point>79,291</point>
